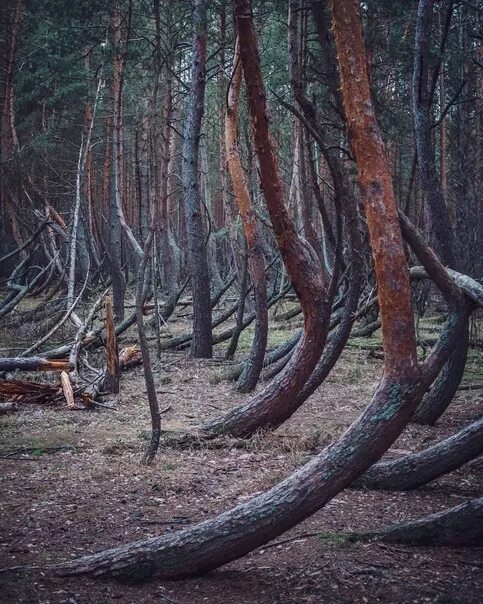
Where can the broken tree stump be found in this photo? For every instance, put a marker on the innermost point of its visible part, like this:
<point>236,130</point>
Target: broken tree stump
<point>67,390</point>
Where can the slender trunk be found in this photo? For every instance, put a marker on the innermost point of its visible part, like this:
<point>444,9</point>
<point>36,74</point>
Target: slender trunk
<point>115,201</point>
<point>254,365</point>
<point>8,133</point>
<point>148,371</point>
<point>421,100</point>
<point>201,346</point>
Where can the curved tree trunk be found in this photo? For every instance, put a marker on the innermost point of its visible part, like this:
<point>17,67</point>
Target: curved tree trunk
<point>461,526</point>
<point>249,525</point>
<point>234,372</point>
<point>442,392</point>
<point>201,346</point>
<point>275,403</point>
<point>417,469</point>
<point>454,287</point>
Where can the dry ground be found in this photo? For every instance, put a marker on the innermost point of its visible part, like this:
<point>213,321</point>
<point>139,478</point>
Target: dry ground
<point>71,483</point>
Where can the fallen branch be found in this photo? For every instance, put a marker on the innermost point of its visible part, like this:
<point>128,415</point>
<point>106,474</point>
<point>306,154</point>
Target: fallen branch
<point>33,364</point>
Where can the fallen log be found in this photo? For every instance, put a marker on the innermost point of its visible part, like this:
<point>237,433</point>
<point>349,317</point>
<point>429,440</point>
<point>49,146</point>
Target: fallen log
<point>33,364</point>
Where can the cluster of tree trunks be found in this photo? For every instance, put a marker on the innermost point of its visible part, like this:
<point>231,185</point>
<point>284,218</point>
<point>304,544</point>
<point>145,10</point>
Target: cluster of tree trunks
<point>328,280</point>
<point>404,381</point>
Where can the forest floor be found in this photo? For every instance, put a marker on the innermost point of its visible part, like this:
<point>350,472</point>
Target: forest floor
<point>71,484</point>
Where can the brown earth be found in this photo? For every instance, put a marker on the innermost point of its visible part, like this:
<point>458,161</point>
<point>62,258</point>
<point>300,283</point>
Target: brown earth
<point>71,483</point>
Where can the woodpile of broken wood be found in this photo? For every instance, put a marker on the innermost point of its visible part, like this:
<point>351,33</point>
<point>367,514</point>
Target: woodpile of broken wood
<point>16,392</point>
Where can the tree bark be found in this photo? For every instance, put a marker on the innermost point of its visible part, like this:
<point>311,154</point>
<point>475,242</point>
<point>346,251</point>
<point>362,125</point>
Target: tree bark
<point>275,403</point>
<point>33,364</point>
<point>443,390</point>
<point>461,526</point>
<point>254,364</point>
<point>111,382</point>
<point>421,100</point>
<point>143,341</point>
<point>417,469</point>
<point>201,346</point>
<point>115,241</point>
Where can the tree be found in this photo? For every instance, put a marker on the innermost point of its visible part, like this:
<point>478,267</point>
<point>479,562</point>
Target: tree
<point>201,346</point>
<point>234,533</point>
<point>249,377</point>
<point>421,99</point>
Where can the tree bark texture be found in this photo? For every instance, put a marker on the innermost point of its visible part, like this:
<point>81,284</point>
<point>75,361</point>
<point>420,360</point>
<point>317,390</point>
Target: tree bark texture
<point>417,469</point>
<point>201,346</point>
<point>111,382</point>
<point>461,526</point>
<point>254,364</point>
<point>275,403</point>
<point>146,357</point>
<point>33,364</point>
<point>115,233</point>
<point>421,100</point>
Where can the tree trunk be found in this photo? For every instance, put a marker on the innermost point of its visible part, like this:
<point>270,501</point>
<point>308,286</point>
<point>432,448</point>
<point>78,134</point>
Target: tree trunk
<point>421,100</point>
<point>249,377</point>
<point>201,346</point>
<point>442,392</point>
<point>275,403</point>
<point>229,536</point>
<point>143,341</point>
<point>242,295</point>
<point>33,364</point>
<point>111,382</point>
<point>115,242</point>
<point>461,526</point>
<point>8,133</point>
<point>417,469</point>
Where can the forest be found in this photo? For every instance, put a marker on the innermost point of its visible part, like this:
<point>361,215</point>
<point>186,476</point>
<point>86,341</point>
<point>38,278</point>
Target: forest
<point>241,292</point>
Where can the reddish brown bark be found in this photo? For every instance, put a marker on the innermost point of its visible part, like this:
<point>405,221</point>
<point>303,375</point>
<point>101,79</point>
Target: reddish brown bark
<point>277,402</point>
<point>394,290</point>
<point>249,378</point>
